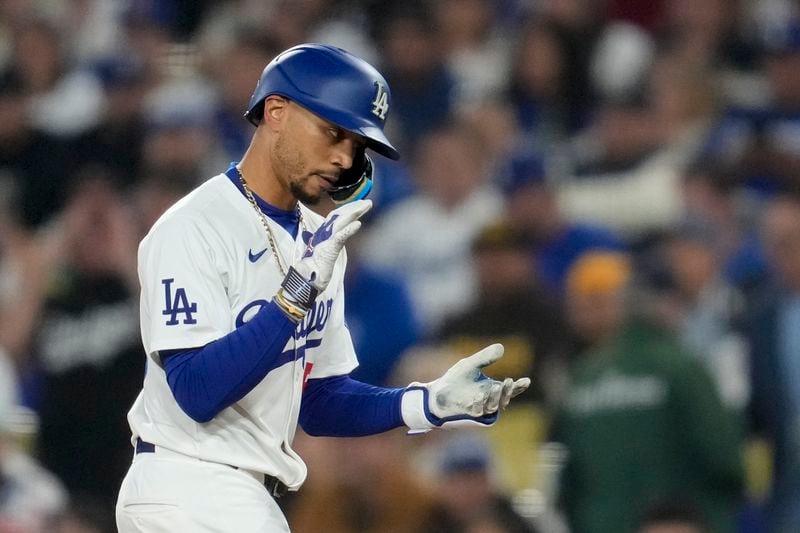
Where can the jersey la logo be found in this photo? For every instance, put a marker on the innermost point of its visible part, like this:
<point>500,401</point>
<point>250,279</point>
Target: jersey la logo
<point>380,105</point>
<point>177,304</point>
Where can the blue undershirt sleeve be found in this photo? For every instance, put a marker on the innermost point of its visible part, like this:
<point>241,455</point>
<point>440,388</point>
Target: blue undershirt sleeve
<point>206,380</point>
<point>340,406</point>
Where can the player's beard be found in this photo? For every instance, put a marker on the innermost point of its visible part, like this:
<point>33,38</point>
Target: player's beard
<point>292,167</point>
<point>296,187</point>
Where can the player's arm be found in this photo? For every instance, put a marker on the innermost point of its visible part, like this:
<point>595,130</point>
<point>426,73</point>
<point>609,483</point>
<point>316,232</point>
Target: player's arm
<point>208,379</point>
<point>343,407</point>
<point>340,406</point>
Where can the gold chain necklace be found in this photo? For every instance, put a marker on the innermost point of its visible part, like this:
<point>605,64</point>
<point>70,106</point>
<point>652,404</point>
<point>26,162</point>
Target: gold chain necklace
<point>273,246</point>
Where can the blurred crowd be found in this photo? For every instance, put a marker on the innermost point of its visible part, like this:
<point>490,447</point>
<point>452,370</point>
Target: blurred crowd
<point>610,188</point>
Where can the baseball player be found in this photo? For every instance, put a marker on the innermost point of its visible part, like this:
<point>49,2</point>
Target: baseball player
<point>242,314</point>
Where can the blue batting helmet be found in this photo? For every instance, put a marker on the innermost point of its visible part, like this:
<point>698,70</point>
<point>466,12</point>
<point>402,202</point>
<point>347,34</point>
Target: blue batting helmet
<point>333,84</point>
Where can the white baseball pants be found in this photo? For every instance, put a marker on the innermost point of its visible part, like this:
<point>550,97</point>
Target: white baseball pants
<point>164,492</point>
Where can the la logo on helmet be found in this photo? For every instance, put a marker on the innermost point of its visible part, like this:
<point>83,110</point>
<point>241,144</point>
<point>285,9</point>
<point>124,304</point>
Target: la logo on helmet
<point>380,106</point>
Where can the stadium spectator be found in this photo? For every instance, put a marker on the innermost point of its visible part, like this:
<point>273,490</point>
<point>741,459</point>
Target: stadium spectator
<point>145,41</point>
<point>495,124</point>
<point>641,420</point>
<point>712,310</point>
<point>37,163</point>
<point>758,141</point>
<point>24,275</point>
<point>470,500</point>
<point>475,52</point>
<point>154,193</point>
<point>422,87</point>
<point>533,209</point>
<point>339,501</point>
<point>377,300</point>
<point>711,199</point>
<point>85,346</point>
<point>30,496</point>
<point>672,517</point>
<point>542,86</point>
<point>511,309</point>
<point>62,100</point>
<point>719,35</point>
<point>117,141</point>
<point>236,66</point>
<point>426,238</point>
<point>623,170</point>
<point>775,365</point>
<point>179,116</point>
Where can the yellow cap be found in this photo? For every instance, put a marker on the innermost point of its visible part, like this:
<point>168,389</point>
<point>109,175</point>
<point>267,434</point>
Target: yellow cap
<point>598,272</point>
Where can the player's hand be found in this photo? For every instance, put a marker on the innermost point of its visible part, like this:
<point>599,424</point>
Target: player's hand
<point>311,275</point>
<point>462,394</point>
<point>465,390</point>
<point>324,246</point>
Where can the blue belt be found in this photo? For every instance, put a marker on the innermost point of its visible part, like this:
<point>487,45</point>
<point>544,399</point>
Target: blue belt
<point>274,486</point>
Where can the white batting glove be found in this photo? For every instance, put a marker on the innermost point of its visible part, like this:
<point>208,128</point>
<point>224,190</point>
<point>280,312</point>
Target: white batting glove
<point>311,275</point>
<point>463,395</point>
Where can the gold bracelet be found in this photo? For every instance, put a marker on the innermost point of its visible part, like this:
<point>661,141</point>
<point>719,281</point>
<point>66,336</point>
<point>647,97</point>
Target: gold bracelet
<point>295,313</point>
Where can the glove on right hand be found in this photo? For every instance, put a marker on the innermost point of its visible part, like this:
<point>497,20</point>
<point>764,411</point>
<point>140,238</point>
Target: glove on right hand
<point>311,275</point>
<point>322,249</point>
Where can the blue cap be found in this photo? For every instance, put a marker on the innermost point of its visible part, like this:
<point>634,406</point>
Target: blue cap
<point>118,72</point>
<point>465,453</point>
<point>524,169</point>
<point>784,39</point>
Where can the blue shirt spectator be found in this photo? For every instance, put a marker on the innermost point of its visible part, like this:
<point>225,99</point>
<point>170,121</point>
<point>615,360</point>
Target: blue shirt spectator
<point>761,145</point>
<point>775,361</point>
<point>557,242</point>
<point>422,87</point>
<point>378,302</point>
<point>555,256</point>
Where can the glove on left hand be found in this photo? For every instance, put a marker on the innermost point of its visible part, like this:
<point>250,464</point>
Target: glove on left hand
<point>463,394</point>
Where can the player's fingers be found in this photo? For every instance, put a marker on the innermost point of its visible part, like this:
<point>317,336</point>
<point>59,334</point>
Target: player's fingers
<point>352,211</point>
<point>505,397</point>
<point>346,232</point>
<point>520,386</point>
<point>494,397</point>
<point>483,358</point>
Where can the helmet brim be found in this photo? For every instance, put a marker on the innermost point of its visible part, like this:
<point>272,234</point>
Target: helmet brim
<point>375,138</point>
<point>378,142</point>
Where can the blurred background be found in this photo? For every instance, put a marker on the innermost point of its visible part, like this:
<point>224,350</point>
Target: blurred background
<point>611,188</point>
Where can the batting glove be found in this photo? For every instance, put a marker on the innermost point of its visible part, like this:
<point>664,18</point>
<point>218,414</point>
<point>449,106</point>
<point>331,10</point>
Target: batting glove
<point>311,275</point>
<point>462,396</point>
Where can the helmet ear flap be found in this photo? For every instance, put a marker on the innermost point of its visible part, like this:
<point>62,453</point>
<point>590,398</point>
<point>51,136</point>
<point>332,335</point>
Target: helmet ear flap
<point>256,114</point>
<point>355,182</point>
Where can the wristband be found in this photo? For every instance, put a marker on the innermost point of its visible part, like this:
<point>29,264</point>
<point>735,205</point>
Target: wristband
<point>296,295</point>
<point>298,290</point>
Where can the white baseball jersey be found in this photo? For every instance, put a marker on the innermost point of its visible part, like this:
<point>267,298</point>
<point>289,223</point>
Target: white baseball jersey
<point>203,273</point>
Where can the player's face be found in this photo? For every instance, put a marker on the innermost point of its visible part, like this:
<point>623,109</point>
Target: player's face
<point>311,153</point>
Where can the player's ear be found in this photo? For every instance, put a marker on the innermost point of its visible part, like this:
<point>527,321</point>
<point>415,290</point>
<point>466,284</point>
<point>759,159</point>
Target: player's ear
<point>275,108</point>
